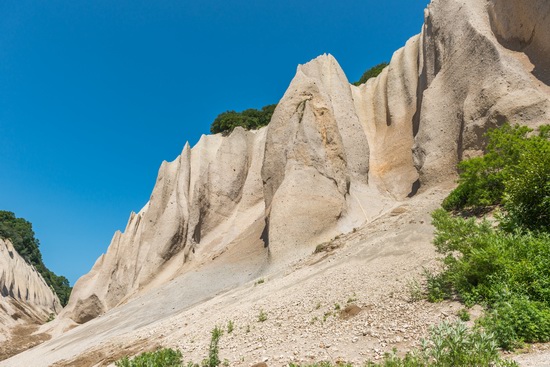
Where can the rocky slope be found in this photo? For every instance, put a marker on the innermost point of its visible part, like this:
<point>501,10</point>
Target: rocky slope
<point>25,296</point>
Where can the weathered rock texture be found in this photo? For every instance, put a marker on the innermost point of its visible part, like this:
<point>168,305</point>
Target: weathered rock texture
<point>334,155</point>
<point>24,295</point>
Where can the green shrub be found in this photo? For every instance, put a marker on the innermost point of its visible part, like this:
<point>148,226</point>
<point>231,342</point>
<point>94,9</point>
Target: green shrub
<point>463,315</point>
<point>262,316</point>
<point>161,358</point>
<point>518,320</point>
<point>371,73</point>
<point>514,172</point>
<point>507,272</point>
<point>213,351</point>
<point>527,193</point>
<point>250,119</point>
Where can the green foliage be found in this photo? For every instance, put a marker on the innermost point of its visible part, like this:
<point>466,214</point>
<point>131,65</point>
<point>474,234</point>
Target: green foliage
<point>464,315</point>
<point>450,345</point>
<point>161,358</point>
<point>213,358</point>
<point>321,364</point>
<point>371,73</point>
<point>250,119</point>
<point>504,268</point>
<point>514,172</point>
<point>20,233</point>
<point>527,193</point>
<point>262,316</point>
<point>506,271</point>
<point>260,281</point>
<point>230,326</point>
<point>518,319</point>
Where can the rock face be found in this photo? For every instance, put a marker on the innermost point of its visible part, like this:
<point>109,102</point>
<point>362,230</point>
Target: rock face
<point>334,155</point>
<point>25,296</point>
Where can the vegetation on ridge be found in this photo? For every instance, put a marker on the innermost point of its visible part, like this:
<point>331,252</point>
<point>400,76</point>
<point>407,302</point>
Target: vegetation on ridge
<point>371,73</point>
<point>250,119</point>
<point>501,263</point>
<point>19,231</point>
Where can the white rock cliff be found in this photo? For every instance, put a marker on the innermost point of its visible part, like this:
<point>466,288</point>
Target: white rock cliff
<point>24,295</point>
<point>334,155</point>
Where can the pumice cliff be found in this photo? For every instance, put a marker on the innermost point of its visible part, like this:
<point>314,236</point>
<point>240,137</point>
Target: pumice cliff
<point>334,156</point>
<point>25,296</point>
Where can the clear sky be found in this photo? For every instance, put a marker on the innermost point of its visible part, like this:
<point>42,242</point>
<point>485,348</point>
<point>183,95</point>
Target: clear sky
<point>95,94</point>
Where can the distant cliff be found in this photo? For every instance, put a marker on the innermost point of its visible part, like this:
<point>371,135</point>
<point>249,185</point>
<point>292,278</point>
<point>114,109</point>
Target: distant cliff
<point>25,296</point>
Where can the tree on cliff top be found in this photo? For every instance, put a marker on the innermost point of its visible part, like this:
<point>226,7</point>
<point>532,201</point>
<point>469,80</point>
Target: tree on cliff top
<point>371,73</point>
<point>250,119</point>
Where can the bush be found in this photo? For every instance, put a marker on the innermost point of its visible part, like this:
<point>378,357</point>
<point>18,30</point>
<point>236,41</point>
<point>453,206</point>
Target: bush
<point>213,358</point>
<point>371,73</point>
<point>161,358</point>
<point>514,172</point>
<point>250,119</point>
<point>518,320</point>
<point>504,268</point>
<point>507,272</point>
<point>527,192</point>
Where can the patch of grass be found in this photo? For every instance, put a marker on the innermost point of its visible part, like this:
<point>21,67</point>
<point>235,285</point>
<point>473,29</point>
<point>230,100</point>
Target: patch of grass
<point>260,281</point>
<point>463,315</point>
<point>337,306</point>
<point>230,326</point>
<point>161,358</point>
<point>262,316</point>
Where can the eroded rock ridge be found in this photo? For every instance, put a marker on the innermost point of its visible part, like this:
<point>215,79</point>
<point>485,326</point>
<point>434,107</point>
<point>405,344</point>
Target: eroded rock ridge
<point>334,155</point>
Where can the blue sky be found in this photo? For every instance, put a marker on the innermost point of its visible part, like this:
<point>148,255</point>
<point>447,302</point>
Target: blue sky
<point>95,94</point>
